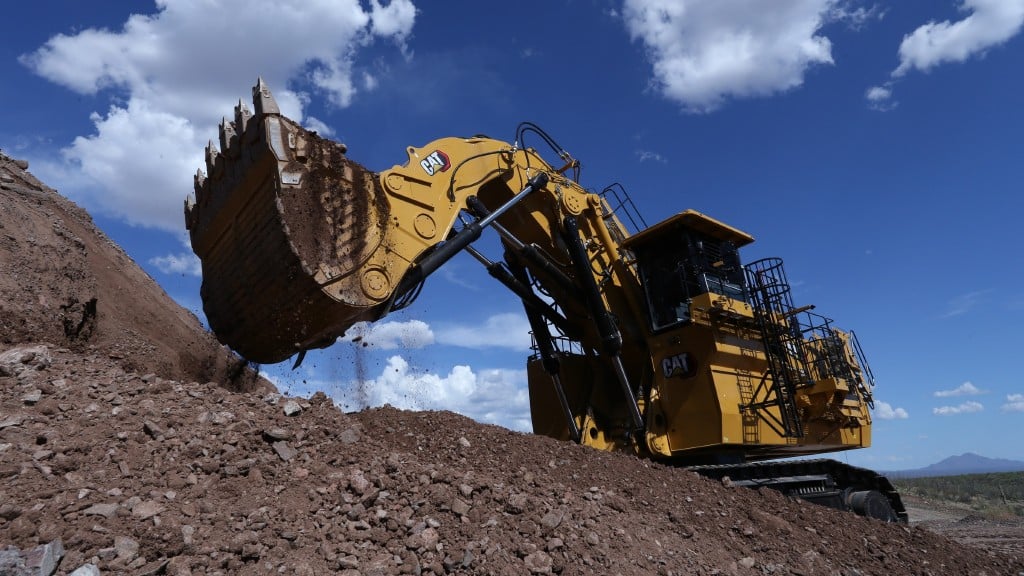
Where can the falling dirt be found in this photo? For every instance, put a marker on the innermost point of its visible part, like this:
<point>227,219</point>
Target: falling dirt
<point>362,383</point>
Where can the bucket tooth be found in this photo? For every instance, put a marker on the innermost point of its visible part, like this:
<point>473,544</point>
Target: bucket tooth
<point>198,182</point>
<point>242,116</point>
<point>211,157</point>
<point>262,100</point>
<point>190,205</point>
<point>228,139</point>
<point>214,161</point>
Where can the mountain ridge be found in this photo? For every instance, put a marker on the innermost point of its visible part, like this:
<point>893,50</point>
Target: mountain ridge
<point>966,463</point>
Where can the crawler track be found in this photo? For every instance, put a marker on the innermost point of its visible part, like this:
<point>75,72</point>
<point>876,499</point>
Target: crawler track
<point>827,482</point>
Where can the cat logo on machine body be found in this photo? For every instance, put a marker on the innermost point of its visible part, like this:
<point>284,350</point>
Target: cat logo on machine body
<point>679,366</point>
<point>436,162</point>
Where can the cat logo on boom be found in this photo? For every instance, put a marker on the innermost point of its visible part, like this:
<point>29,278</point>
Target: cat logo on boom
<point>437,162</point>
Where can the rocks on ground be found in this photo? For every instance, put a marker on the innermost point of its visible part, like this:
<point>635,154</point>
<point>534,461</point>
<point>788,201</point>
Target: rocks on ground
<point>136,474</point>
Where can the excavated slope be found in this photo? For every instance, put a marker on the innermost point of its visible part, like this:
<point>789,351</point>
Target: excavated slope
<point>139,464</point>
<point>63,281</point>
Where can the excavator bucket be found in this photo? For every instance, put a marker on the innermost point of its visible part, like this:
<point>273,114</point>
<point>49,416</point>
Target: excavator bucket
<point>282,221</point>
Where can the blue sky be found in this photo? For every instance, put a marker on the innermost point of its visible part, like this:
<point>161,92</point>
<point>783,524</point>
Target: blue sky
<point>878,147</point>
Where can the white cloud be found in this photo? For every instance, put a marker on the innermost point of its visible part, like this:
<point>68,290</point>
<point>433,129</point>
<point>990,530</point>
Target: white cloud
<point>185,263</point>
<point>965,408</point>
<point>317,125</point>
<point>494,396</point>
<point>452,273</point>
<point>499,331</point>
<point>705,51</point>
<point>645,155</point>
<point>880,98</point>
<point>878,93</point>
<point>965,389</point>
<point>1014,403</point>
<point>139,164</point>
<point>370,82</point>
<point>988,24</point>
<point>388,335</point>
<point>964,303</point>
<point>173,74</point>
<point>855,18</point>
<point>885,411</point>
<point>393,20</point>
<point>509,330</point>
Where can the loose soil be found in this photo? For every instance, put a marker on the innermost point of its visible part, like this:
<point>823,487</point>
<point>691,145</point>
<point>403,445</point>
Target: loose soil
<point>63,281</point>
<point>123,435</point>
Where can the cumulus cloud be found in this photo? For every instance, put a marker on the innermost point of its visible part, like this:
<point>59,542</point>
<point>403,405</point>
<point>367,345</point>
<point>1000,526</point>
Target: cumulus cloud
<point>885,411</point>
<point>388,335</point>
<point>494,396</point>
<point>173,74</point>
<point>705,51</point>
<point>965,408</point>
<point>988,23</point>
<point>508,330</point>
<point>965,389</point>
<point>1014,403</point>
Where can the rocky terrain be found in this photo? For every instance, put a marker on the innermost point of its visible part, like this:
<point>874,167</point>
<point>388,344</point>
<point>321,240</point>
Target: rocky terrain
<point>131,443</point>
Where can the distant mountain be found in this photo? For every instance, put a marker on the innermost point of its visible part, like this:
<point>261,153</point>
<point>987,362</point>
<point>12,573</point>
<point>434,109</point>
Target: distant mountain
<point>968,463</point>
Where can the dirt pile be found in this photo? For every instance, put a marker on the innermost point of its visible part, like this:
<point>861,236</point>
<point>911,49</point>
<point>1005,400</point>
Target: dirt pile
<point>121,454</point>
<point>138,474</point>
<point>63,281</point>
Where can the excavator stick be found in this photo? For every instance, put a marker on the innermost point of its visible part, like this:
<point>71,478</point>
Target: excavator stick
<point>283,223</point>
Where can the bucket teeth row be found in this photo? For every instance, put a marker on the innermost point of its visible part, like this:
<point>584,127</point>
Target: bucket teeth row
<point>241,142</point>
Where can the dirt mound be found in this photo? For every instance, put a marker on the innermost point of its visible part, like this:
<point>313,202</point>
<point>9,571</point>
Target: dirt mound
<point>63,281</point>
<point>138,474</point>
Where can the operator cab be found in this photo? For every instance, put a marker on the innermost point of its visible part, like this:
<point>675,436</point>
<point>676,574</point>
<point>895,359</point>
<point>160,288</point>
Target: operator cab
<point>684,256</point>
